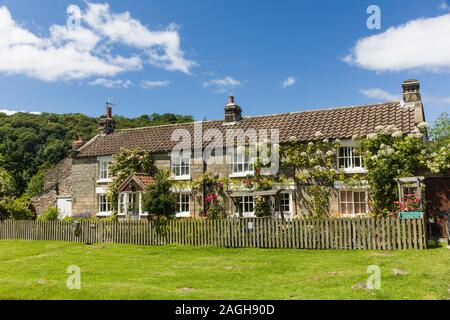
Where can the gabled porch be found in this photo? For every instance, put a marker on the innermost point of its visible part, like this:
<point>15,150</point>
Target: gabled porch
<point>130,197</point>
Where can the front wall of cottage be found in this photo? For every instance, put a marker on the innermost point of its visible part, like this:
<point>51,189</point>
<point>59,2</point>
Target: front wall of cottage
<point>84,176</point>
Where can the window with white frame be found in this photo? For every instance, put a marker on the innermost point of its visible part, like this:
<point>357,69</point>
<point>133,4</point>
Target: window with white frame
<point>122,203</point>
<point>353,202</point>
<point>285,202</point>
<point>183,204</point>
<point>103,169</point>
<point>245,205</point>
<point>242,162</point>
<point>104,205</point>
<point>348,158</point>
<point>181,167</point>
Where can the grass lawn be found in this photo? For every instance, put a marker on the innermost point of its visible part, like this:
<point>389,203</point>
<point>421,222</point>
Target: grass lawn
<point>37,270</point>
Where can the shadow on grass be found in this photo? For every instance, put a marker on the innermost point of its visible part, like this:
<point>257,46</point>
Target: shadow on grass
<point>435,244</point>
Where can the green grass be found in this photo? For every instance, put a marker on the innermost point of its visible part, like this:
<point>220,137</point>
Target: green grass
<point>37,270</point>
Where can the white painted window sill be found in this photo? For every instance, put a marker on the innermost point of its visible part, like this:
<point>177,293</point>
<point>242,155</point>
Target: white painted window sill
<point>355,170</point>
<point>104,214</point>
<point>246,215</point>
<point>181,178</point>
<point>183,215</point>
<point>242,174</point>
<point>109,180</point>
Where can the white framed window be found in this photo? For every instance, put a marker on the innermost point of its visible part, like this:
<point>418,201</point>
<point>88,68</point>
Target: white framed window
<point>122,204</point>
<point>181,167</point>
<point>242,162</point>
<point>245,206</point>
<point>353,202</point>
<point>104,169</point>
<point>183,205</point>
<point>130,203</point>
<point>104,206</point>
<point>285,202</point>
<point>348,158</point>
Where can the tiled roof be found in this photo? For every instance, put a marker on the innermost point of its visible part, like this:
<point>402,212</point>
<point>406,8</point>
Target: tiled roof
<point>337,123</point>
<point>145,179</point>
<point>142,180</point>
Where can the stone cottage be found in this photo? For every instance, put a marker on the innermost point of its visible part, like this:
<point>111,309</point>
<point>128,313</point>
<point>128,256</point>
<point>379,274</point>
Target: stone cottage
<point>79,184</point>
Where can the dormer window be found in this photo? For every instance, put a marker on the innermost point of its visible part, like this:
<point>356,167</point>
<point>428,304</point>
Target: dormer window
<point>181,168</point>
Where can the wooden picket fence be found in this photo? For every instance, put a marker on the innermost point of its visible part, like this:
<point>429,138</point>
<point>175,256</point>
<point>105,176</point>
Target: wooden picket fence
<point>342,234</point>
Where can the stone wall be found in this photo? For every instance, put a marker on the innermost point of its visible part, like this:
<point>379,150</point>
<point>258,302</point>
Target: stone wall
<point>84,177</point>
<point>57,183</point>
<point>78,178</point>
<point>58,173</point>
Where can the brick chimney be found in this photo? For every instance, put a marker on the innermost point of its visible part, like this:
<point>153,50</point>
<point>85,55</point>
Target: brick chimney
<point>107,123</point>
<point>413,99</point>
<point>77,144</point>
<point>233,112</point>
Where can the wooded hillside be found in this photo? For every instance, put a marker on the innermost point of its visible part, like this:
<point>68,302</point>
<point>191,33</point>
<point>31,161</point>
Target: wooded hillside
<point>31,143</point>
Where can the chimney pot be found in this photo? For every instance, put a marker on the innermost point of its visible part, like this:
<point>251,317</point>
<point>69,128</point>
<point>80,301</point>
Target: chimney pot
<point>108,111</point>
<point>233,112</point>
<point>77,144</point>
<point>107,124</point>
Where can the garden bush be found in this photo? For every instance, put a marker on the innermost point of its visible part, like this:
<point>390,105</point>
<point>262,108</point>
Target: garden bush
<point>51,214</point>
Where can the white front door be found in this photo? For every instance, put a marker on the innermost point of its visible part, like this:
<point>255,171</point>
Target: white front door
<point>64,205</point>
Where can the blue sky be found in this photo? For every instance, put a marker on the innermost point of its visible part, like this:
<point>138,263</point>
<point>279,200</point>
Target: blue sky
<point>274,56</point>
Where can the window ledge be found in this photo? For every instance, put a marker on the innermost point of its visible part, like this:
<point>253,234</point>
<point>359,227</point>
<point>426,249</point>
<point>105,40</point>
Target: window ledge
<point>183,215</point>
<point>104,214</point>
<point>181,178</point>
<point>355,170</point>
<point>109,180</point>
<point>242,174</point>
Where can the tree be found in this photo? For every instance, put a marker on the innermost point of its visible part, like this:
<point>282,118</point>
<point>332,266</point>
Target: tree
<point>7,187</point>
<point>36,185</point>
<point>439,146</point>
<point>17,209</point>
<point>313,167</point>
<point>158,198</point>
<point>440,131</point>
<point>390,154</point>
<point>126,163</point>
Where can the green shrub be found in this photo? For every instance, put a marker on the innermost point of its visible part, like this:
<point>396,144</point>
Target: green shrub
<point>16,209</point>
<point>51,214</point>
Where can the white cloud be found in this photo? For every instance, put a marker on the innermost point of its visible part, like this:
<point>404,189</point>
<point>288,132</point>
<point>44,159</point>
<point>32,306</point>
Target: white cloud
<point>436,102</point>
<point>150,84</point>
<point>377,93</point>
<point>111,84</point>
<point>222,85</point>
<point>9,112</point>
<point>161,47</point>
<point>444,6</point>
<point>421,44</point>
<point>87,51</point>
<point>290,81</point>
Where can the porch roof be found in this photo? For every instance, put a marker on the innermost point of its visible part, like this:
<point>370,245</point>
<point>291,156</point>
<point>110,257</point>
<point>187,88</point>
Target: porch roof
<point>142,181</point>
